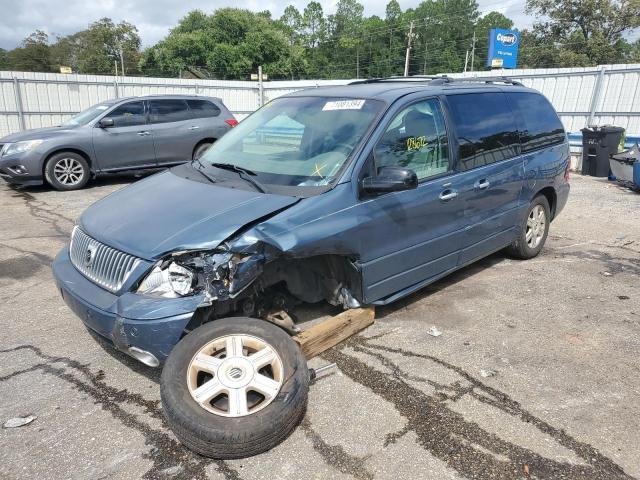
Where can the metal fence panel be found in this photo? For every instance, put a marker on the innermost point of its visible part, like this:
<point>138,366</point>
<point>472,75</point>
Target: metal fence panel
<point>599,95</point>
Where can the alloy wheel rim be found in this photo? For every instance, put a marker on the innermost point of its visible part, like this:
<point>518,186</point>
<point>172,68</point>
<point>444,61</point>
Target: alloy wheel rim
<point>536,225</point>
<point>235,375</point>
<point>68,171</point>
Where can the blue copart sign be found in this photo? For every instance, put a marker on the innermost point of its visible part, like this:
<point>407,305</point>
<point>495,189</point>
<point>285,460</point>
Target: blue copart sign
<point>503,48</point>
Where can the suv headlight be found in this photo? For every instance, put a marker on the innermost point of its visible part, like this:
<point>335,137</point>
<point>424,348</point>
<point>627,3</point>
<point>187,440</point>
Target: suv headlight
<point>20,147</point>
<point>172,280</point>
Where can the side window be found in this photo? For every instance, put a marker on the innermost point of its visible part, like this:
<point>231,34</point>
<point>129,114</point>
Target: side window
<point>486,128</point>
<point>416,139</point>
<point>128,115</point>
<point>203,108</point>
<point>542,127</point>
<point>163,111</point>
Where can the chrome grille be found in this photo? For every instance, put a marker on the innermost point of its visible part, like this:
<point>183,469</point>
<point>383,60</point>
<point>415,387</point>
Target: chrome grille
<point>104,265</point>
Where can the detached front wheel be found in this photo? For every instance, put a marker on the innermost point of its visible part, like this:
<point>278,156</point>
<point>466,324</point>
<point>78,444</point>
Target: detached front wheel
<point>234,388</point>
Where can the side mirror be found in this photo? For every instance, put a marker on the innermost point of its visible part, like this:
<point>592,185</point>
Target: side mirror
<point>391,179</point>
<point>106,123</point>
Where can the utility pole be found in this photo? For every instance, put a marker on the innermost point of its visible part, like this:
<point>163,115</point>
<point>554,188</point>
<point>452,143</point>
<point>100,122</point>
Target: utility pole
<point>260,86</point>
<point>121,59</point>
<point>409,41</point>
<point>466,60</point>
<point>424,66</point>
<point>473,50</point>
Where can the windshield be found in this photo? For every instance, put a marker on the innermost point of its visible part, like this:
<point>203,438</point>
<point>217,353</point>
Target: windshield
<point>86,116</point>
<point>296,141</point>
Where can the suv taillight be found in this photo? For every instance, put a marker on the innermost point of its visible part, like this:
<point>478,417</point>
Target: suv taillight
<point>232,122</point>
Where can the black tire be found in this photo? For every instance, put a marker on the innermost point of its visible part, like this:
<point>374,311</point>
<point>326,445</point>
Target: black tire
<point>81,171</point>
<point>201,149</point>
<point>520,248</point>
<point>222,437</point>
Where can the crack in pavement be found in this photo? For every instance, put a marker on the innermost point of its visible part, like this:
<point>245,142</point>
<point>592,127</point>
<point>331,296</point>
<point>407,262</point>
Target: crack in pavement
<point>462,444</point>
<point>165,452</point>
<point>37,210</point>
<point>335,455</point>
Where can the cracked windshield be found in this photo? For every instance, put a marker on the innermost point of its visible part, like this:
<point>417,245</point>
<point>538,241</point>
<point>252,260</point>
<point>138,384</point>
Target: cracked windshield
<point>301,141</point>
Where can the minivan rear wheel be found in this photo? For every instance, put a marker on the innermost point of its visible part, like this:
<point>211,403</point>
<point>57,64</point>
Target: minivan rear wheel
<point>234,387</point>
<point>67,171</point>
<point>533,231</point>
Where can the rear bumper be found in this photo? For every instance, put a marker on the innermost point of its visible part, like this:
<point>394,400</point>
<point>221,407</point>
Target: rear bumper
<point>562,195</point>
<point>130,322</point>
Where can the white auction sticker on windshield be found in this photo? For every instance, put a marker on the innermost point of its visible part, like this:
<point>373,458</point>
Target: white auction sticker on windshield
<point>344,105</point>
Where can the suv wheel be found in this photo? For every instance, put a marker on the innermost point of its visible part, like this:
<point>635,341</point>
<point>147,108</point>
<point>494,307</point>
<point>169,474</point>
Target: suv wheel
<point>234,387</point>
<point>533,231</point>
<point>67,171</point>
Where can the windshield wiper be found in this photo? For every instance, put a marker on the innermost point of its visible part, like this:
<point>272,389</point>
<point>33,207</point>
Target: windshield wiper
<point>201,171</point>
<point>241,171</point>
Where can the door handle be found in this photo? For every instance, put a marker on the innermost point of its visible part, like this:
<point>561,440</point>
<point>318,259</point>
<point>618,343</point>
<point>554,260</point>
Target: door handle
<point>194,127</point>
<point>482,184</point>
<point>448,194</point>
<point>144,134</point>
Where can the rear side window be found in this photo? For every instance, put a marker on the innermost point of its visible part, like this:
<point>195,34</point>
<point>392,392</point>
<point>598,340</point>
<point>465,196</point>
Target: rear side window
<point>128,115</point>
<point>486,128</point>
<point>163,111</point>
<point>541,125</point>
<point>203,108</point>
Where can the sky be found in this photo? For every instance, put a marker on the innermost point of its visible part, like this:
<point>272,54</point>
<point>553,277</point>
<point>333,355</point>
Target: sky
<point>154,18</point>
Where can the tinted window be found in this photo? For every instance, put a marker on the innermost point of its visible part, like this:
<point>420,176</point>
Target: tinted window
<point>129,114</point>
<point>541,125</point>
<point>416,139</point>
<point>163,111</point>
<point>486,129</point>
<point>203,109</point>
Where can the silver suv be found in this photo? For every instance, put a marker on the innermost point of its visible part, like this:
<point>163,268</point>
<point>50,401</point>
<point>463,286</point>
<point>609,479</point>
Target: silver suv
<point>123,134</point>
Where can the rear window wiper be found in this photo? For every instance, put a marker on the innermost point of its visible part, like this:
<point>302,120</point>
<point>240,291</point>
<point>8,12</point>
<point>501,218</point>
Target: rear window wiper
<point>241,171</point>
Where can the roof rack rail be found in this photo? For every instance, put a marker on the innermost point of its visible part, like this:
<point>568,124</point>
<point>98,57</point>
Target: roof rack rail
<point>415,78</point>
<point>440,79</point>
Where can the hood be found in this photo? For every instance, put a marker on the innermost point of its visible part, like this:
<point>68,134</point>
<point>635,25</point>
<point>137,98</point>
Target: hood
<point>36,134</point>
<point>169,212</point>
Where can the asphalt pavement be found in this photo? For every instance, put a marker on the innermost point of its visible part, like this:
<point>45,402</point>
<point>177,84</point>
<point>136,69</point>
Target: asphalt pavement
<point>536,373</point>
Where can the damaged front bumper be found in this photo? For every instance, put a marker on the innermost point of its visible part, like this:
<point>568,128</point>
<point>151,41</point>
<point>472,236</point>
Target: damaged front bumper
<point>144,327</point>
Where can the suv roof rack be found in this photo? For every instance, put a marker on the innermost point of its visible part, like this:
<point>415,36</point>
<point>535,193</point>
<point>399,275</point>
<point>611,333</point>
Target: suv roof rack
<point>439,80</point>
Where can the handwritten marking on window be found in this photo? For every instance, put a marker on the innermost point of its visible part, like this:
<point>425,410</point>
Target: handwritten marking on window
<point>415,143</point>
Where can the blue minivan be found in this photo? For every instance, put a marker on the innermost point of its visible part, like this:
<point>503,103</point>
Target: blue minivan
<point>354,195</point>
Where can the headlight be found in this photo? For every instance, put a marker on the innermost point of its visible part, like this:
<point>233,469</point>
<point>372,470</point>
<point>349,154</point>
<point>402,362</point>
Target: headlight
<point>171,281</point>
<point>20,147</point>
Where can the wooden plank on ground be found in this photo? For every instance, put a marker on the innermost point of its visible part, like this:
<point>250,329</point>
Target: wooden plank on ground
<point>334,330</point>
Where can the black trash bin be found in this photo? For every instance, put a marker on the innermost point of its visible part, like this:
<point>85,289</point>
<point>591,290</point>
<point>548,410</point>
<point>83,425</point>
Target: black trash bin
<point>598,143</point>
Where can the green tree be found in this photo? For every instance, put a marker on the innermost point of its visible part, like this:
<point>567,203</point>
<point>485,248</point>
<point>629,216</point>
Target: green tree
<point>96,49</point>
<point>314,24</point>
<point>33,55</point>
<point>588,32</point>
<point>343,44</point>
<point>444,33</point>
<point>230,43</point>
<point>4,61</point>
